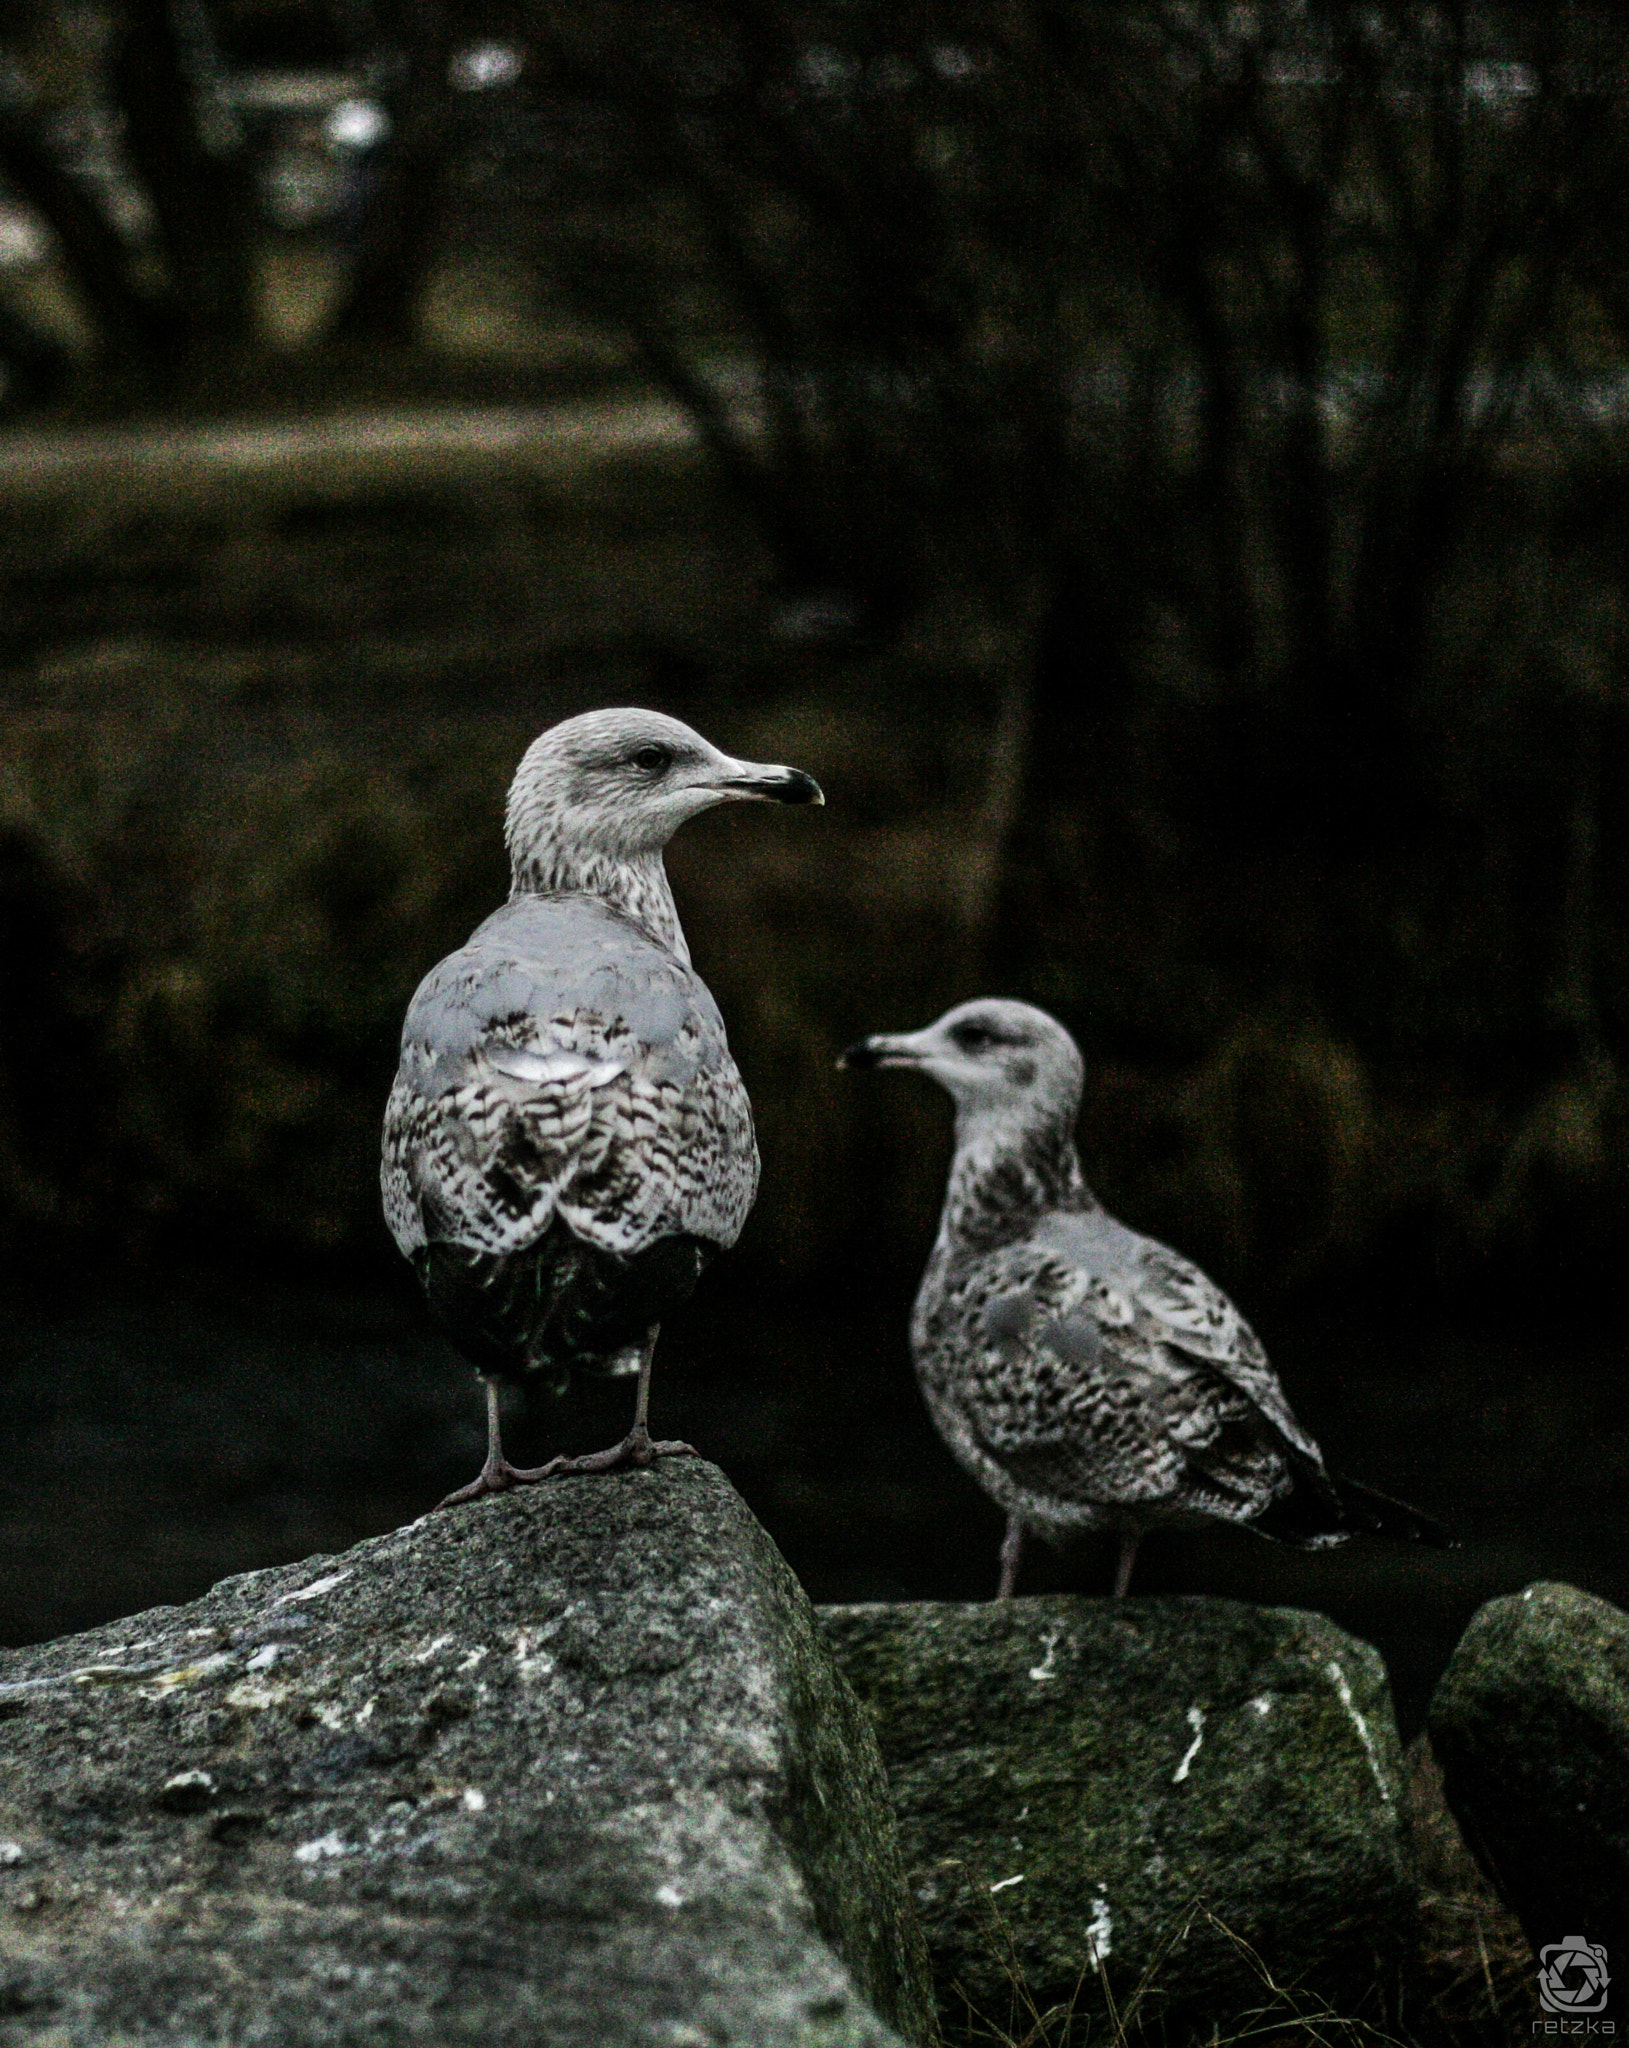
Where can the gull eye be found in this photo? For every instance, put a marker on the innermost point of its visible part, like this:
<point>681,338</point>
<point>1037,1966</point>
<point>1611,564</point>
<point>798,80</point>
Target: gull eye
<point>651,760</point>
<point>974,1038</point>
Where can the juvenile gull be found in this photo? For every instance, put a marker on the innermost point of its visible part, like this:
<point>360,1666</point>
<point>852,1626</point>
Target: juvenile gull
<point>1086,1376</point>
<point>568,1142</point>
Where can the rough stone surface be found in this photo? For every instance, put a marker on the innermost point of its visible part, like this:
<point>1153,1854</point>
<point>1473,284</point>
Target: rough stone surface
<point>1530,1724</point>
<point>1075,1777</point>
<point>571,1767</point>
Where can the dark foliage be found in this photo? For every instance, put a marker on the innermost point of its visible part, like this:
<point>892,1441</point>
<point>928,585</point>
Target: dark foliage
<point>1238,392</point>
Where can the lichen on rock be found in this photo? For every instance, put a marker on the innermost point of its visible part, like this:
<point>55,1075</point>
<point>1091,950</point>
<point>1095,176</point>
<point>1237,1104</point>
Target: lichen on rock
<point>571,1766</point>
<point>1097,1793</point>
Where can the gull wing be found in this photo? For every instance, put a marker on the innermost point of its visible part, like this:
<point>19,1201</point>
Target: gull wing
<point>1093,1375</point>
<point>1161,1299</point>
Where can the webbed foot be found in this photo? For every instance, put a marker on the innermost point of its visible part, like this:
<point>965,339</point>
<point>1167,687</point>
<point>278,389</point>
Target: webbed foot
<point>497,1475</point>
<point>638,1448</point>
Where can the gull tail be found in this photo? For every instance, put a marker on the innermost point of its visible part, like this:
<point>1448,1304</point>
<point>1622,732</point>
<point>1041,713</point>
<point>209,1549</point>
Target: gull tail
<point>1367,1508</point>
<point>1322,1508</point>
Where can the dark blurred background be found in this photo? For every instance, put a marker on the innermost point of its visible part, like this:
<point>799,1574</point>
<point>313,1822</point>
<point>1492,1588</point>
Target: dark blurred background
<point>1161,467</point>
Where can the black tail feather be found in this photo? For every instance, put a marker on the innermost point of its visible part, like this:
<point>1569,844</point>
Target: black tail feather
<point>1323,1507</point>
<point>557,1305</point>
<point>1366,1508</point>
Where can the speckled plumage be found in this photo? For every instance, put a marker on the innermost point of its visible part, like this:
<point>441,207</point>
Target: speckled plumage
<point>568,1141</point>
<point>564,1069</point>
<point>1090,1378</point>
<point>1086,1376</point>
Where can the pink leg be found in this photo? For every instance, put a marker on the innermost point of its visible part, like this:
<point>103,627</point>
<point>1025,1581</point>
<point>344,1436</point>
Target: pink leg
<point>637,1447</point>
<point>1012,1549</point>
<point>497,1475</point>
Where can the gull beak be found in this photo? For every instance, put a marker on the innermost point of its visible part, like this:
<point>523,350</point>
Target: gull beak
<point>880,1050</point>
<point>749,780</point>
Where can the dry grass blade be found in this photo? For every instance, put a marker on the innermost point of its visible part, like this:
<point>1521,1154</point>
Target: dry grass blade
<point>1287,2014</point>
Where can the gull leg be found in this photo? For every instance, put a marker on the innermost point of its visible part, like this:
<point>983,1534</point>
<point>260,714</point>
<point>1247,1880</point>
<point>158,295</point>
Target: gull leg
<point>637,1447</point>
<point>497,1475</point>
<point>1012,1549</point>
<point>1128,1557</point>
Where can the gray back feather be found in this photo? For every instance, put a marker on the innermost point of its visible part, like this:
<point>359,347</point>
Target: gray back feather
<point>1172,1303</point>
<point>563,1063</point>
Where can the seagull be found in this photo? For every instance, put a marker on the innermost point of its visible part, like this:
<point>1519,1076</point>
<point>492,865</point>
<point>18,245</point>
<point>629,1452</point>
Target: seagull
<point>568,1142</point>
<point>1086,1376</point>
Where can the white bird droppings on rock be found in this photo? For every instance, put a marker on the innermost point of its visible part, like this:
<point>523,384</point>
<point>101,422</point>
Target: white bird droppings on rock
<point>1044,1670</point>
<point>530,1663</point>
<point>190,1781</point>
<point>314,1591</point>
<point>1362,1727</point>
<point>321,1849</point>
<point>1196,1721</point>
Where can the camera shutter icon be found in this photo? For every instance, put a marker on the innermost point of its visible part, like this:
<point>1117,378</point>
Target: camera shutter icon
<point>1573,1977</point>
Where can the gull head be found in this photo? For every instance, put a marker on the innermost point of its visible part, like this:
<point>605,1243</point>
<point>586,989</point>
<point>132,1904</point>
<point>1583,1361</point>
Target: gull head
<point>995,1058</point>
<point>618,784</point>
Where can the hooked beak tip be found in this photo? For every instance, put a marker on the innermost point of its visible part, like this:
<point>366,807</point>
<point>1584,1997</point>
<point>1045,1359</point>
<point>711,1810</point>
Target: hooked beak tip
<point>777,786</point>
<point>877,1051</point>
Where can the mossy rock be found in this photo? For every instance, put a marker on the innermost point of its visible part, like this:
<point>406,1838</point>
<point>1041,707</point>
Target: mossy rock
<point>1100,1797</point>
<point>1530,1723</point>
<point>568,1768</point>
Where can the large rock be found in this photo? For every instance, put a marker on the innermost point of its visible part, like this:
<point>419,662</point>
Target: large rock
<point>1530,1724</point>
<point>1079,1781</point>
<point>568,1767</point>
